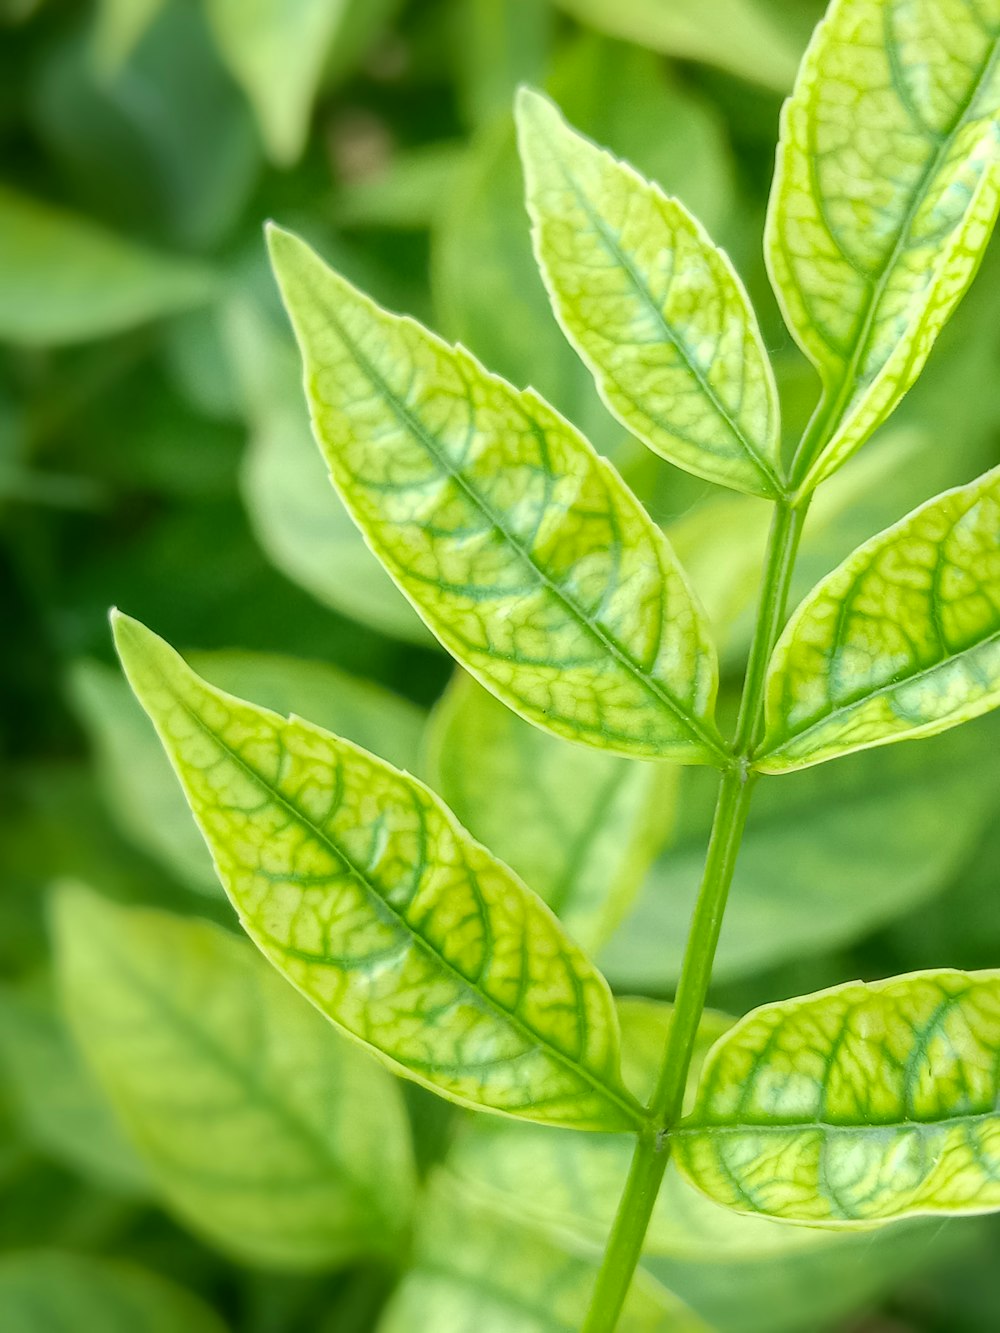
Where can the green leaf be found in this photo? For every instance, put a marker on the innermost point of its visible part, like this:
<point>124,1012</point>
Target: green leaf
<point>655,310</point>
<point>58,1103</point>
<point>859,843</point>
<point>855,1105</point>
<point>141,791</point>
<point>65,279</point>
<point>363,890</point>
<point>48,1292</point>
<point>522,550</point>
<point>478,1269</point>
<point>296,516</point>
<point>884,196</point>
<point>736,35</point>
<point>902,641</point>
<point>580,827</point>
<point>500,309</point>
<point>263,1130</point>
<point>276,50</point>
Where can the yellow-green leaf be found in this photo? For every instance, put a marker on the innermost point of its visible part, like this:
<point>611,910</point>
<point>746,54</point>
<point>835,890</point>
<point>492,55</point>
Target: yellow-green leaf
<point>902,641</point>
<point>263,1130</point>
<point>134,775</point>
<point>65,279</point>
<point>44,1291</point>
<point>363,890</point>
<point>655,310</point>
<point>884,196</point>
<point>296,516</point>
<point>855,1105</point>
<point>523,550</point>
<point>581,827</point>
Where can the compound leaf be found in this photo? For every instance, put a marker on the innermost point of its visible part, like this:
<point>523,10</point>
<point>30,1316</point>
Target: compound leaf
<point>362,889</point>
<point>902,641</point>
<point>884,196</point>
<point>655,310</point>
<point>262,1129</point>
<point>45,1290</point>
<point>581,827</point>
<point>523,550</point>
<point>855,1105</point>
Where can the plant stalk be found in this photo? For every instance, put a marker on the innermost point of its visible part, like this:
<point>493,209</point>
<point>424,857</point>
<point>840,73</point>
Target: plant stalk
<point>652,1151</point>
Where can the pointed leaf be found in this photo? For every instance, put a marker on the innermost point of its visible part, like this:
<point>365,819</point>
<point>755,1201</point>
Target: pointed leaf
<point>275,50</point>
<point>362,889</point>
<point>296,516</point>
<point>523,550</point>
<point>580,827</point>
<point>902,641</point>
<point>47,1292</point>
<point>264,1131</point>
<point>855,1105</point>
<point>884,196</point>
<point>134,774</point>
<point>655,310</point>
<point>499,309</point>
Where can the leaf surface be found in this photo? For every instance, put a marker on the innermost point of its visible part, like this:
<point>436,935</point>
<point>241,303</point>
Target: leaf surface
<point>49,1292</point>
<point>500,310</point>
<point>135,776</point>
<point>655,310</point>
<point>478,1268</point>
<point>522,550</point>
<point>884,196</point>
<point>736,35</point>
<point>902,641</point>
<point>363,890</point>
<point>60,1106</point>
<point>297,517</point>
<point>262,1129</point>
<point>855,1105</point>
<point>66,279</point>
<point>580,827</point>
<point>275,50</point>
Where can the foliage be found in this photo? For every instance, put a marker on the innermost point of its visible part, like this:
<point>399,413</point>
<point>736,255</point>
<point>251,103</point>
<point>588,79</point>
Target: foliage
<point>487,889</point>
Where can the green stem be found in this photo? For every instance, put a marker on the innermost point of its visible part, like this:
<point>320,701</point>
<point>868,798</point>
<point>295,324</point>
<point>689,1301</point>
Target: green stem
<point>652,1151</point>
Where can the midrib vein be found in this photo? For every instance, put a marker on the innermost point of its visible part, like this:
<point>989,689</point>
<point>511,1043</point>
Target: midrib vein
<point>416,427</point>
<point>631,1111</point>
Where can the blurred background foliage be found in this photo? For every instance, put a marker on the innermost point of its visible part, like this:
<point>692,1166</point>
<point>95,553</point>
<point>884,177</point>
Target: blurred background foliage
<point>155,453</point>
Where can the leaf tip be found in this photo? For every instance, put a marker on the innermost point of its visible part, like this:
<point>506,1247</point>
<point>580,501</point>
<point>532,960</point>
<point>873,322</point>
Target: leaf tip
<point>534,113</point>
